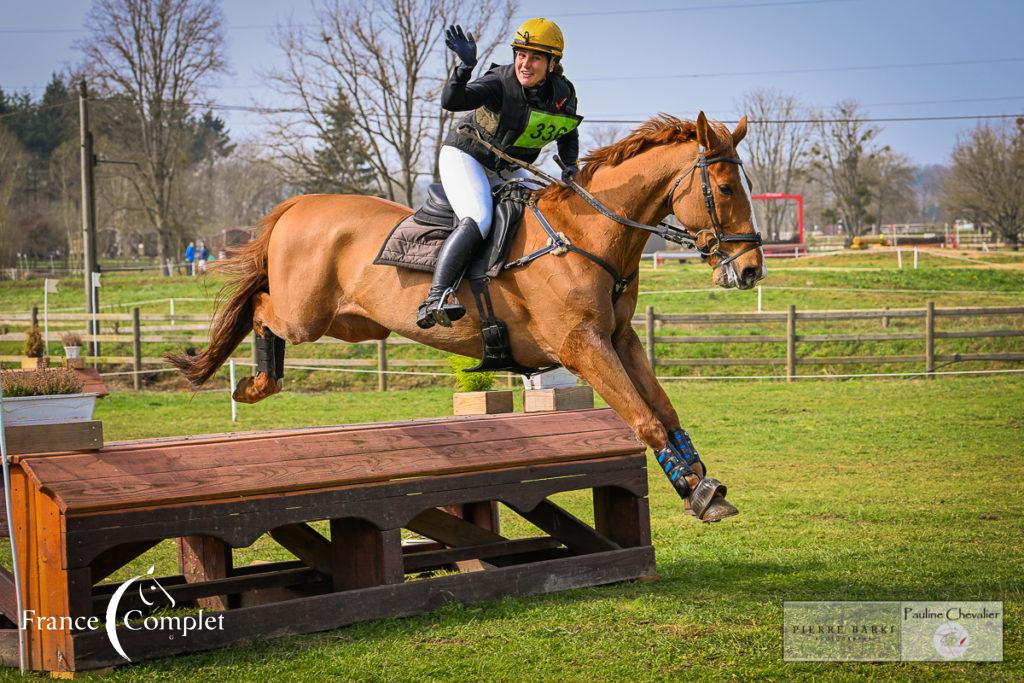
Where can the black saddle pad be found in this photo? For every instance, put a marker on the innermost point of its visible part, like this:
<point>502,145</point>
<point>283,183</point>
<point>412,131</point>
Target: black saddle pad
<point>414,242</point>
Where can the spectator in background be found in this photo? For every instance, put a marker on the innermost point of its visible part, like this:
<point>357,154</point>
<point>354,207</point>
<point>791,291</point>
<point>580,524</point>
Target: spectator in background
<point>203,256</point>
<point>190,258</point>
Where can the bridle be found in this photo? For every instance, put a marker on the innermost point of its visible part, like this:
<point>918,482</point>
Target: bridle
<point>718,237</point>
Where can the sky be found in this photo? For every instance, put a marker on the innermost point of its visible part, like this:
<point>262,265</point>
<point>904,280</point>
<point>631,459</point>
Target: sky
<point>898,58</point>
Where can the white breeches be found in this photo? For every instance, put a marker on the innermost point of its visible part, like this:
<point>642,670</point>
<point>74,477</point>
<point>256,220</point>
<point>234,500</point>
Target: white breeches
<point>468,186</point>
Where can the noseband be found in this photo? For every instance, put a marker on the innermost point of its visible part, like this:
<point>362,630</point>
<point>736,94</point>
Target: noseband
<point>718,235</point>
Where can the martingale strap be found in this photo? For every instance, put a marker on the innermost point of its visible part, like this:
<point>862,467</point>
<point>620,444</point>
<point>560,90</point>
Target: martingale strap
<point>559,244</point>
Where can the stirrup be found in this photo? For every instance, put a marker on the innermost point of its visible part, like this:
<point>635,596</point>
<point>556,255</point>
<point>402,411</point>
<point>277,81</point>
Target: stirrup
<point>445,313</point>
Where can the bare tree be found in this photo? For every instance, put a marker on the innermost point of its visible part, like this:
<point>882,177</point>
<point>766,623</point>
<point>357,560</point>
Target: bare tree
<point>896,198</point>
<point>841,154</point>
<point>158,54</point>
<point>380,54</point>
<point>776,150</point>
<point>985,181</point>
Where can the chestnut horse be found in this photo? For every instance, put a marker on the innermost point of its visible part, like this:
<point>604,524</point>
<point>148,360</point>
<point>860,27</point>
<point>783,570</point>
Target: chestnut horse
<point>310,273</point>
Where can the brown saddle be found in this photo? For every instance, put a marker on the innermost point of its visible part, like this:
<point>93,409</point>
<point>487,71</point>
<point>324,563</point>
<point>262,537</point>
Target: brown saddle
<point>417,238</point>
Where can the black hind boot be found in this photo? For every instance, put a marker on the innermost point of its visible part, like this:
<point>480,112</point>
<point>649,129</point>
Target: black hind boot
<point>452,260</point>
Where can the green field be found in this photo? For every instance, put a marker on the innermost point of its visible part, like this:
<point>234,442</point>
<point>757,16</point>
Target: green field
<point>868,490</point>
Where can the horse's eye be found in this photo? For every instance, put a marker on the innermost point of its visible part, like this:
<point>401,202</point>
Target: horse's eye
<point>725,189</point>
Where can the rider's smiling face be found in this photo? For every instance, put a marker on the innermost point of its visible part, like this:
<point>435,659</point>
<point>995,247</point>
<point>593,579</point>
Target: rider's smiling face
<point>532,67</point>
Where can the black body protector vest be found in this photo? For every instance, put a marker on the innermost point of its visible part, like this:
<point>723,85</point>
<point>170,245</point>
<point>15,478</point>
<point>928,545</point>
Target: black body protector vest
<point>523,126</point>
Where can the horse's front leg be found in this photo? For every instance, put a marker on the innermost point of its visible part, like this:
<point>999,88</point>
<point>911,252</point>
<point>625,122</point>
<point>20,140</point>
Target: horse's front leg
<point>634,360</point>
<point>589,353</point>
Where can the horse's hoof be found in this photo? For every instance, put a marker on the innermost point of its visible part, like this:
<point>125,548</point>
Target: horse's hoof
<point>719,509</point>
<point>253,389</point>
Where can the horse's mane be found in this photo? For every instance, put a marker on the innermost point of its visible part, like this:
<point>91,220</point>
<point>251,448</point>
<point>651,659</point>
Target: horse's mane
<point>661,129</point>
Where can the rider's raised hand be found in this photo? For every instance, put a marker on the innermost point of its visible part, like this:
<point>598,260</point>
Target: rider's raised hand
<point>461,44</point>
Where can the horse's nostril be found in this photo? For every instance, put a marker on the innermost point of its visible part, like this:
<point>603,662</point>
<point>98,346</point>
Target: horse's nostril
<point>748,276</point>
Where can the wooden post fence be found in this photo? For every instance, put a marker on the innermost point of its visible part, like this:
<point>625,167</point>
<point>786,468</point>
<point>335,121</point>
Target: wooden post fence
<point>382,365</point>
<point>791,343</point>
<point>136,349</point>
<point>929,338</point>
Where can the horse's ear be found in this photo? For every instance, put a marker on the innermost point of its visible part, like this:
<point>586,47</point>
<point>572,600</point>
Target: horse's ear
<point>705,134</point>
<point>740,132</point>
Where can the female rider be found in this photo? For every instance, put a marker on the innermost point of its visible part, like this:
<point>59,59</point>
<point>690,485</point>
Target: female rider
<point>518,108</point>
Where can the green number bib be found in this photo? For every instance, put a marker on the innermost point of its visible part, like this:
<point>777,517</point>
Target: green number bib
<point>544,127</point>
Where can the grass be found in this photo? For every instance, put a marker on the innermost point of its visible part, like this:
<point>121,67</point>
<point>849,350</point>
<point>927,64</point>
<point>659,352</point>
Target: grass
<point>870,490</point>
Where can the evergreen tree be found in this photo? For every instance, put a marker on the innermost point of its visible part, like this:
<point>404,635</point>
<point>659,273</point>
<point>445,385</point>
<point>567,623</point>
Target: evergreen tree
<point>340,163</point>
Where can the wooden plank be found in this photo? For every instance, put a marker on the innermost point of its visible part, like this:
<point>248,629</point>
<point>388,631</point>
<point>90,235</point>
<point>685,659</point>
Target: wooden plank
<point>856,360</point>
<point>979,334</point>
<point>118,491</point>
<point>723,339</point>
<point>305,543</point>
<point>204,558</point>
<point>54,438</point>
<point>968,311</point>
<point>363,556</point>
<point>576,535</point>
<point>333,610</point>
<point>193,592</point>
<point>177,455</point>
<point>432,559</point>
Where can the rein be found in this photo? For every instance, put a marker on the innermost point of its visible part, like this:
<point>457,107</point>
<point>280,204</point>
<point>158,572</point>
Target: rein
<point>559,244</point>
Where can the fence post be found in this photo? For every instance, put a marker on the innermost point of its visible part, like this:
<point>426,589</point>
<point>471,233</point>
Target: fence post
<point>136,348</point>
<point>929,338</point>
<point>650,336</point>
<point>759,298</point>
<point>382,365</point>
<point>791,343</point>
<point>231,390</point>
<point>172,310</point>
<point>35,316</point>
<point>885,318</point>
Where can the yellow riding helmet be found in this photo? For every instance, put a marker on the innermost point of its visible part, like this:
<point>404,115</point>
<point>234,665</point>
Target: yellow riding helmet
<point>540,35</point>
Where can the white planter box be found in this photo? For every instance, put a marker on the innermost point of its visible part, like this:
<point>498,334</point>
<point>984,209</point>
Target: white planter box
<point>552,379</point>
<point>36,410</point>
<point>71,351</point>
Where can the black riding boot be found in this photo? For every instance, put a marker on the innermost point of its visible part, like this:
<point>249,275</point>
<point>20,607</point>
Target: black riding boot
<point>452,260</point>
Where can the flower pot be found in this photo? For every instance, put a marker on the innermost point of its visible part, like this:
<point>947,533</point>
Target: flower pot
<point>72,351</point>
<point>552,379</point>
<point>50,409</point>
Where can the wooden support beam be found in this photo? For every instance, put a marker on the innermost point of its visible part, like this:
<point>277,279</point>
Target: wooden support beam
<point>575,534</point>
<point>205,558</point>
<point>112,559</point>
<point>307,544</point>
<point>363,556</point>
<point>451,530</point>
<point>621,516</point>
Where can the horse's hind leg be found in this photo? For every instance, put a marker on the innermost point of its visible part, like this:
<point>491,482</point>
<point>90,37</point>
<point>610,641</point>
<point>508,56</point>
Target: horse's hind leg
<point>269,377</point>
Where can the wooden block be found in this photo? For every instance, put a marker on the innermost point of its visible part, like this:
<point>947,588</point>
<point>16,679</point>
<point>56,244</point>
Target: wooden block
<point>204,558</point>
<point>563,398</point>
<point>482,402</point>
<point>74,363</point>
<point>55,438</point>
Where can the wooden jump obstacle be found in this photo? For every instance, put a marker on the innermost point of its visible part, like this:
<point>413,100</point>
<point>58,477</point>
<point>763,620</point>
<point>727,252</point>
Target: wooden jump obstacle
<point>79,517</point>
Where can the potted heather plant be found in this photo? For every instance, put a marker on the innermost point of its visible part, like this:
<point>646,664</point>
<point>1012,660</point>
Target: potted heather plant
<point>72,342</point>
<point>33,350</point>
<point>45,396</point>
<point>475,395</point>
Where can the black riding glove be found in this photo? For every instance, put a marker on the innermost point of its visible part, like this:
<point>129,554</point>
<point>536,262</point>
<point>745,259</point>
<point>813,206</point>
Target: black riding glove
<point>569,172</point>
<point>461,44</point>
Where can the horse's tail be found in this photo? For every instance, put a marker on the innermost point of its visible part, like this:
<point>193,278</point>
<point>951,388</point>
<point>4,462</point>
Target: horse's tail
<point>233,318</point>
